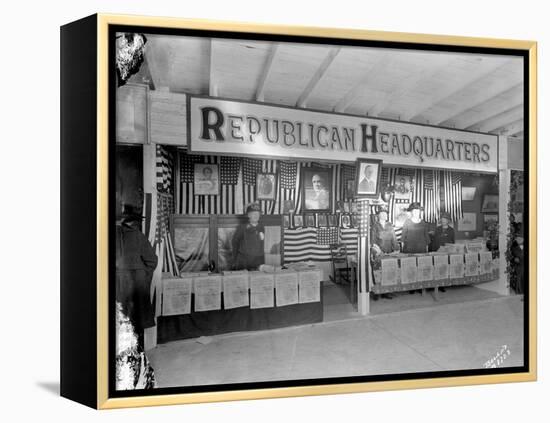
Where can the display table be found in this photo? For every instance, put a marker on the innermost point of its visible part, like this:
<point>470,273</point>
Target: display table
<point>203,304</point>
<point>404,272</point>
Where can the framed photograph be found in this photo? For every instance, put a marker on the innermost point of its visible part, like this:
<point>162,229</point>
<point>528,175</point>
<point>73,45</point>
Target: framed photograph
<point>349,188</point>
<point>468,193</point>
<point>180,126</point>
<point>403,187</point>
<point>266,186</point>
<point>345,221</point>
<point>367,178</point>
<point>310,220</point>
<point>489,218</point>
<point>490,203</point>
<point>467,223</point>
<point>207,181</point>
<point>317,189</point>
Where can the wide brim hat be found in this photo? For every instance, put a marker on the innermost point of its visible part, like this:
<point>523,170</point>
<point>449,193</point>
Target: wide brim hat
<point>130,212</point>
<point>415,206</point>
<point>253,208</point>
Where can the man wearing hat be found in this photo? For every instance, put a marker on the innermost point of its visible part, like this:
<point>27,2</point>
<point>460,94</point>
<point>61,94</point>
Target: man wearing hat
<point>415,235</point>
<point>136,261</point>
<point>248,241</point>
<point>444,233</point>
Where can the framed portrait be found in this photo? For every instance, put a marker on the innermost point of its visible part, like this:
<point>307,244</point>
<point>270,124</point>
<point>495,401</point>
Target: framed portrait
<point>367,178</point>
<point>156,153</point>
<point>345,221</point>
<point>490,203</point>
<point>467,223</point>
<point>349,190</point>
<point>266,186</point>
<point>310,220</point>
<point>317,189</point>
<point>403,187</point>
<point>206,179</point>
<point>489,218</point>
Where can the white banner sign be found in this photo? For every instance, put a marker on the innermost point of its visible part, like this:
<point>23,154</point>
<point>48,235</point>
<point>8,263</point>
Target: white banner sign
<point>242,128</point>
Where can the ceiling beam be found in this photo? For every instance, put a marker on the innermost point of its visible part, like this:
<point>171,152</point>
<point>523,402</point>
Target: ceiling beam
<point>498,120</point>
<point>355,91</point>
<point>406,85</point>
<point>212,81</point>
<point>511,97</point>
<point>490,92</point>
<point>317,76</point>
<point>152,49</point>
<point>468,78</point>
<point>260,90</point>
<point>510,128</point>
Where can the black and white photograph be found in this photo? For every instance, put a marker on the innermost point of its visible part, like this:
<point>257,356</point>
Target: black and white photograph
<point>266,185</point>
<point>317,189</point>
<point>367,180</point>
<point>206,179</point>
<point>252,157</point>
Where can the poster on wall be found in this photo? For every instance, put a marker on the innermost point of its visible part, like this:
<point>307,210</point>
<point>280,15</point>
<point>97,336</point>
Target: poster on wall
<point>408,270</point>
<point>207,292</point>
<point>425,269</point>
<point>441,267</point>
<point>490,203</point>
<point>261,290</point>
<point>456,269</point>
<point>390,271</point>
<point>286,288</point>
<point>176,295</point>
<point>309,286</point>
<point>467,223</point>
<point>235,289</point>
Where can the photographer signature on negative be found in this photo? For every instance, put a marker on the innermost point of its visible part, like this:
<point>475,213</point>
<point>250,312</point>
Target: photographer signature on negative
<point>498,358</point>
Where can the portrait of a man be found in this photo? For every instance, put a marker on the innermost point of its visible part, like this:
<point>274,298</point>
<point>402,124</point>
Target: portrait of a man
<point>266,186</point>
<point>403,187</point>
<point>206,179</point>
<point>367,178</point>
<point>317,185</point>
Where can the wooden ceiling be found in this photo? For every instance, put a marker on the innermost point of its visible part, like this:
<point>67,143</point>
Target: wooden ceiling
<point>464,91</point>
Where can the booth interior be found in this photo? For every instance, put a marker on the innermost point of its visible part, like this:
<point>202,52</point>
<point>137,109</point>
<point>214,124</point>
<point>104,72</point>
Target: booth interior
<point>318,262</point>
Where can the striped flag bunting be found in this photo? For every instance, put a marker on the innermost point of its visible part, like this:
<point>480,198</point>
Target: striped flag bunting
<point>348,236</point>
<point>164,169</point>
<point>452,182</point>
<point>432,195</point>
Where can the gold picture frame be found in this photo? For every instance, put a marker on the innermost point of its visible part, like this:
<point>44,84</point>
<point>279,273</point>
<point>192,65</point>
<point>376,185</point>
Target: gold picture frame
<point>96,392</point>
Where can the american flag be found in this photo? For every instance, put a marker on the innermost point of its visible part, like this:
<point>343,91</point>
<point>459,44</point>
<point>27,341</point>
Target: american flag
<point>452,182</point>
<point>229,201</point>
<point>164,169</point>
<point>288,173</point>
<point>432,198</point>
<point>327,236</point>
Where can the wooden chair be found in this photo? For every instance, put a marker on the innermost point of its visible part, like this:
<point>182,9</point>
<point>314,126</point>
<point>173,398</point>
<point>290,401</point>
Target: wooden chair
<point>341,270</point>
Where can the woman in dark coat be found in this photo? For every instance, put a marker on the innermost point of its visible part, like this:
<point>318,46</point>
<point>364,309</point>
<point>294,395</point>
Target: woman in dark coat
<point>415,235</point>
<point>135,263</point>
<point>248,241</point>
